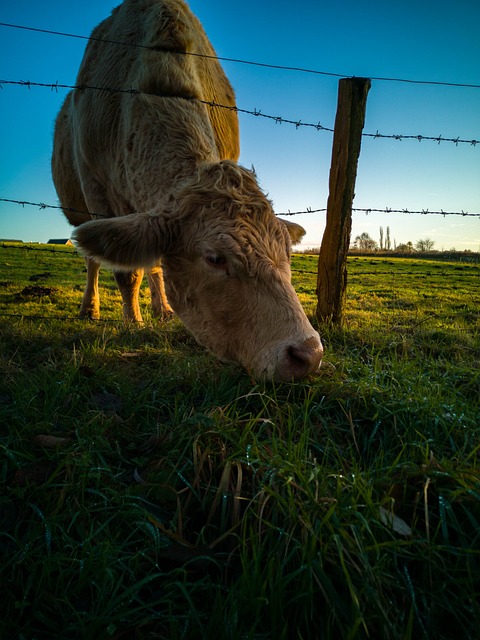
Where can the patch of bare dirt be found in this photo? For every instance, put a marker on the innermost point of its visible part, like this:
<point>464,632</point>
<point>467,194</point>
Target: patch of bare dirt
<point>36,291</point>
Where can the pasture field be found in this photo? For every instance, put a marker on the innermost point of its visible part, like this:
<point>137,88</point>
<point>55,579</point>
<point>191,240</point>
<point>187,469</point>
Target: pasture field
<point>149,491</point>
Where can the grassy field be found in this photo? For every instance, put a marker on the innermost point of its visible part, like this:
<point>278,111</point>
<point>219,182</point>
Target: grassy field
<point>149,491</point>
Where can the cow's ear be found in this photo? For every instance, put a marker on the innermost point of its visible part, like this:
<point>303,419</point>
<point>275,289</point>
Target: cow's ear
<point>129,242</point>
<point>295,231</point>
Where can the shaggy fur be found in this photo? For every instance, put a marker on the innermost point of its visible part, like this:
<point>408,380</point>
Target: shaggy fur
<point>170,161</point>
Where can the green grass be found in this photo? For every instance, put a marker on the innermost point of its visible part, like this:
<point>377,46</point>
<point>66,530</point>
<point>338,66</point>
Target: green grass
<point>149,491</point>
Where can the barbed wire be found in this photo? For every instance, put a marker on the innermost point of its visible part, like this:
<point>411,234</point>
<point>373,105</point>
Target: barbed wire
<point>394,274</point>
<point>41,206</point>
<point>444,273</point>
<point>240,61</point>
<point>420,138</point>
<point>423,212</point>
<point>54,86</point>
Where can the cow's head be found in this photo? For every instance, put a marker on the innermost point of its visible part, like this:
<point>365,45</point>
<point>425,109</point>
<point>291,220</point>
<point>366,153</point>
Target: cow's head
<point>226,259</point>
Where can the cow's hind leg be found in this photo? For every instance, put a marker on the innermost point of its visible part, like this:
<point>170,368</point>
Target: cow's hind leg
<point>129,285</point>
<point>160,306</point>
<point>91,299</point>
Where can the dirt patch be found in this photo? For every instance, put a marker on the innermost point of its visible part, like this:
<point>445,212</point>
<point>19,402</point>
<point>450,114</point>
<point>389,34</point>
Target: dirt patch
<point>36,291</point>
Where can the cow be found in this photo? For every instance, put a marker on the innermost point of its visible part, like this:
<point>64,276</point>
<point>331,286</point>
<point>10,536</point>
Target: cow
<point>146,168</point>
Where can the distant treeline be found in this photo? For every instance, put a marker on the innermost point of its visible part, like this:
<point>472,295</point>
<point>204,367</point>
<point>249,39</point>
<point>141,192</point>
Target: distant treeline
<point>447,256</point>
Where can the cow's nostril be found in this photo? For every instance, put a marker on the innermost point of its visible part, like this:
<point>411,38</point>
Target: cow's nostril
<point>297,362</point>
<point>301,359</point>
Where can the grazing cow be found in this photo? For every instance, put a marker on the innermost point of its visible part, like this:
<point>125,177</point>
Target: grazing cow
<point>163,155</point>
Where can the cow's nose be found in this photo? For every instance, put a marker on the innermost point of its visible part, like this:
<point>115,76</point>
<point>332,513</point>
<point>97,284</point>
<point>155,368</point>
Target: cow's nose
<point>300,359</point>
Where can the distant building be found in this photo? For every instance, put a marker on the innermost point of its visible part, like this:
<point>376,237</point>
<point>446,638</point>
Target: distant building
<point>65,241</point>
<point>10,240</point>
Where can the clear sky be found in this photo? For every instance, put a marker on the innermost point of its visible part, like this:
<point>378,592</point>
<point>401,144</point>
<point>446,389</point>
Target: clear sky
<point>435,40</point>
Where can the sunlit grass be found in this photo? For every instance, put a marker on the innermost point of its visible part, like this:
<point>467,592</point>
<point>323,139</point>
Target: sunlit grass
<point>149,491</point>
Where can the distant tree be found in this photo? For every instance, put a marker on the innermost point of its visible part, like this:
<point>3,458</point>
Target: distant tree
<point>365,243</point>
<point>425,244</point>
<point>405,248</point>
<point>381,238</point>
<point>388,244</point>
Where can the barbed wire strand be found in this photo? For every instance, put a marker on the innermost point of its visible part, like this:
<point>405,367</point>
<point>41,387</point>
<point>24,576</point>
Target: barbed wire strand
<point>353,274</point>
<point>423,212</point>
<point>471,267</point>
<point>54,86</point>
<point>41,206</point>
<point>240,61</point>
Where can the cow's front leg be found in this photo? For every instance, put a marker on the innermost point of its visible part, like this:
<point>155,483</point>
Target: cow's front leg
<point>160,306</point>
<point>91,299</point>
<point>129,284</point>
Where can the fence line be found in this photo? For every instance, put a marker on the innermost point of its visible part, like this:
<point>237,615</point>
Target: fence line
<point>239,61</point>
<point>27,247</point>
<point>54,86</point>
<point>393,274</point>
<point>424,212</point>
<point>73,253</point>
<point>390,275</point>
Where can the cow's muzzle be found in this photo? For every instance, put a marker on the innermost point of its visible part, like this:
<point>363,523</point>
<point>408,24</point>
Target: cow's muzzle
<point>299,360</point>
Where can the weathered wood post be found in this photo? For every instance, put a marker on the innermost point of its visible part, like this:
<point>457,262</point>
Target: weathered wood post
<point>347,137</point>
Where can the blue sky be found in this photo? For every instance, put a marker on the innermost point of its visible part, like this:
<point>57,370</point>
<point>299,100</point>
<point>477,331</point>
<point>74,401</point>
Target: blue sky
<point>429,40</point>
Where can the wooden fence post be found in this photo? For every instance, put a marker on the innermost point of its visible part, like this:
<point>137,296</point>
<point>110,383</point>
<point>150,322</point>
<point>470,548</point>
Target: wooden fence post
<point>347,137</point>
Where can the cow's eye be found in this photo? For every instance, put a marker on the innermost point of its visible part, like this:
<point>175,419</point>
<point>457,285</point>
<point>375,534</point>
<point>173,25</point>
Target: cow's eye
<point>215,260</point>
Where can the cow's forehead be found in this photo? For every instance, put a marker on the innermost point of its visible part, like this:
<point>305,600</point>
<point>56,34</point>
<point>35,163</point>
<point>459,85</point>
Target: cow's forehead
<point>255,242</point>
<point>266,235</point>
<point>230,212</point>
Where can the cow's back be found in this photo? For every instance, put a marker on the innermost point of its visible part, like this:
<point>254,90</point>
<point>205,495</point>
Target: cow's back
<point>144,45</point>
<point>153,32</point>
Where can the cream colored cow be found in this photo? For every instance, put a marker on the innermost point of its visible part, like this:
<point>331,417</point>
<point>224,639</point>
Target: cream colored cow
<point>168,159</point>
